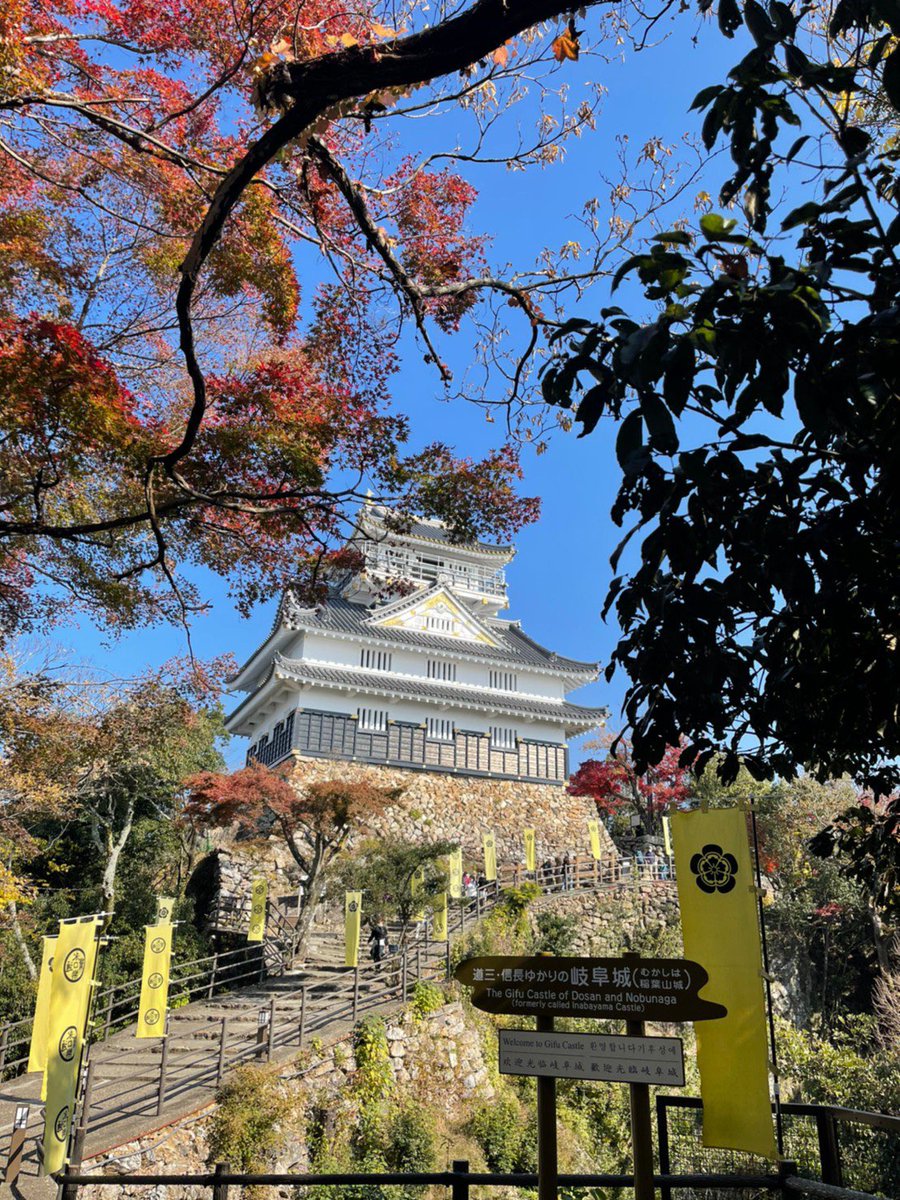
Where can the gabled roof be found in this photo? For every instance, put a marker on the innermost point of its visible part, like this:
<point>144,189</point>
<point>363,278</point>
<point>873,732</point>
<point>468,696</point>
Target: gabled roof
<point>574,717</point>
<point>342,617</point>
<point>391,616</point>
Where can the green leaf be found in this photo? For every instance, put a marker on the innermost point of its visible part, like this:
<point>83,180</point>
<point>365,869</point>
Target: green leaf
<point>729,17</point>
<point>629,265</point>
<point>704,96</point>
<point>630,438</point>
<point>797,146</point>
<point>660,426</point>
<point>805,214</point>
<point>592,407</point>
<point>714,225</point>
<point>677,237</point>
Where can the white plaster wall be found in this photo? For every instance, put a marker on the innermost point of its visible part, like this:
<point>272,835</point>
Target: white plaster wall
<point>346,652</point>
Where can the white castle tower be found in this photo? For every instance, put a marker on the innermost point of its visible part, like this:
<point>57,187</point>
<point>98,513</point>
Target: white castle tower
<point>408,664</point>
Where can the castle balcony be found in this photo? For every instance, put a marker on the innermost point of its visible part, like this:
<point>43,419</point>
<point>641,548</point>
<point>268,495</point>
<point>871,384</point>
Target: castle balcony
<point>466,579</point>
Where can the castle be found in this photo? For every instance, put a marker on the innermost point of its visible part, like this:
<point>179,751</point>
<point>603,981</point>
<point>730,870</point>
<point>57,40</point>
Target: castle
<point>409,670</point>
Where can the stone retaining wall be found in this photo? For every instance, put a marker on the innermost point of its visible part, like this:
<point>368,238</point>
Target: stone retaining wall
<point>610,921</point>
<point>440,1051</point>
<point>460,808</point>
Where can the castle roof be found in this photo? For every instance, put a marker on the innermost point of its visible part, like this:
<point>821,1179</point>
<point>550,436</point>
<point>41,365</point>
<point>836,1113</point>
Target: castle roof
<point>514,647</point>
<point>575,717</point>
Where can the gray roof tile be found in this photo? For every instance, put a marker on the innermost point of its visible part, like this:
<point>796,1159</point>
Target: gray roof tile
<point>384,683</point>
<point>342,616</point>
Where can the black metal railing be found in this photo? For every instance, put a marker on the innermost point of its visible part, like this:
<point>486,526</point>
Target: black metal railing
<point>838,1147</point>
<point>459,1180</point>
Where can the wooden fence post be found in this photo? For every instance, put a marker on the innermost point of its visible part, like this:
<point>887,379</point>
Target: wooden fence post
<point>163,1060</point>
<point>220,1190</point>
<point>220,1067</point>
<point>271,1044</point>
<point>302,1030</point>
<point>403,978</point>
<point>212,978</point>
<point>16,1144</point>
<point>84,1113</point>
<point>829,1148</point>
<point>459,1189</point>
<point>262,1033</point>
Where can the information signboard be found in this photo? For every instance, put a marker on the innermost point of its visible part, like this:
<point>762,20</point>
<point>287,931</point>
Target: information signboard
<point>657,1060</point>
<point>630,988</point>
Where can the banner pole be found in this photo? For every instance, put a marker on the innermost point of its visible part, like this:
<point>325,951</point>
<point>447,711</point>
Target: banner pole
<point>776,1082</point>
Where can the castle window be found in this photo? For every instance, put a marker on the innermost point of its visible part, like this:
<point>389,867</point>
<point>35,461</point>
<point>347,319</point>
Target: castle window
<point>375,660</point>
<point>439,729</point>
<point>505,681</point>
<point>435,624</point>
<point>503,738</point>
<point>372,720</point>
<point>442,670</point>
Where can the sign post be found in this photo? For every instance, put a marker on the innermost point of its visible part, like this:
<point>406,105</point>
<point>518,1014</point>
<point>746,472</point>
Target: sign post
<point>548,1166</point>
<point>630,989</point>
<point>641,1128</point>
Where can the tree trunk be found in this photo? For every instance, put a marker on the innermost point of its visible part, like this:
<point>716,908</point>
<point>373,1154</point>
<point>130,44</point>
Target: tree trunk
<point>884,936</point>
<point>315,883</point>
<point>20,939</point>
<point>115,844</point>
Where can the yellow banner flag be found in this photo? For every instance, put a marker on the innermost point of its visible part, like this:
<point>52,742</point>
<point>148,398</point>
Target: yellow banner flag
<point>594,832</point>
<point>155,981</point>
<point>455,871</point>
<point>40,1025</point>
<point>489,845</point>
<point>352,919</point>
<point>417,889</point>
<point>530,853</point>
<point>165,906</point>
<point>667,837</point>
<point>74,958</point>
<point>719,920</point>
<point>259,891</point>
<point>439,918</point>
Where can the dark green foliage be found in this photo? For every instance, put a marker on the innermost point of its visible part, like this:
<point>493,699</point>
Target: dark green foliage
<point>507,1140</point>
<point>244,1130</point>
<point>759,427</point>
<point>383,870</point>
<point>556,933</point>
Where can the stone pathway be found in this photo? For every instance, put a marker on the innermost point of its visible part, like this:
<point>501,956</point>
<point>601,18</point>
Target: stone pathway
<point>260,1023</point>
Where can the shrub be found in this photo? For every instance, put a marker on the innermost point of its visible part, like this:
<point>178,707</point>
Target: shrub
<point>426,998</point>
<point>411,1139</point>
<point>507,1140</point>
<point>374,1078</point>
<point>244,1130</point>
<point>556,934</point>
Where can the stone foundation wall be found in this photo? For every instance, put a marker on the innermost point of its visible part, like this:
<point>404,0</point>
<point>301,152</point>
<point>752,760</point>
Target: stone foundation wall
<point>612,921</point>
<point>440,1054</point>
<point>460,808</point>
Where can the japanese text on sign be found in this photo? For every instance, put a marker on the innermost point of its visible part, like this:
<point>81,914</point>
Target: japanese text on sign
<point>629,987</point>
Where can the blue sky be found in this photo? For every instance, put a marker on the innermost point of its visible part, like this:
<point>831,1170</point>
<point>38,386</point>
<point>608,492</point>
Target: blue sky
<point>559,577</point>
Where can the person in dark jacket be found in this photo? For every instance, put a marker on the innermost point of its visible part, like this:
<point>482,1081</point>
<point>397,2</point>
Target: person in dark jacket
<point>378,936</point>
